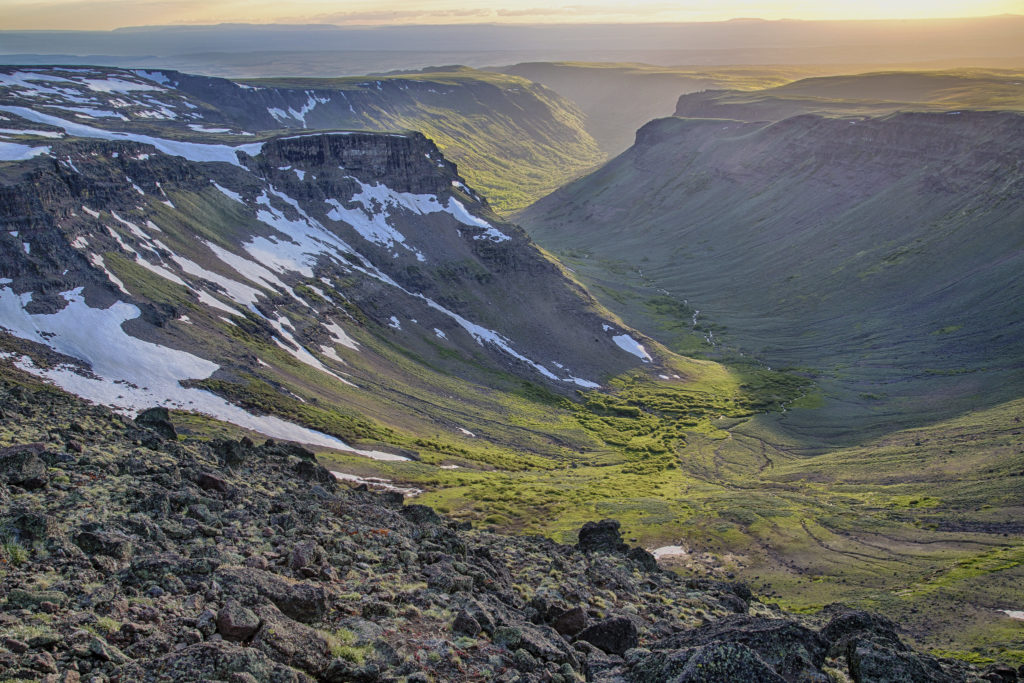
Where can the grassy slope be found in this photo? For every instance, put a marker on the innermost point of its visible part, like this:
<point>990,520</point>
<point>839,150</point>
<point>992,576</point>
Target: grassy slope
<point>514,141</point>
<point>903,315</point>
<point>871,94</point>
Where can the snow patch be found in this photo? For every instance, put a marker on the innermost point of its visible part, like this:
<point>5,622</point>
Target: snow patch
<point>12,151</point>
<point>340,337</point>
<point>37,133</point>
<point>378,484</point>
<point>228,193</point>
<point>630,345</point>
<point>193,151</point>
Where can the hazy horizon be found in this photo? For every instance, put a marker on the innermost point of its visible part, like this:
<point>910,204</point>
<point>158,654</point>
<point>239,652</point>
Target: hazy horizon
<point>112,14</point>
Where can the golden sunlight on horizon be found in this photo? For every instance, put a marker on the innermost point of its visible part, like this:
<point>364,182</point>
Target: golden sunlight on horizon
<point>110,14</point>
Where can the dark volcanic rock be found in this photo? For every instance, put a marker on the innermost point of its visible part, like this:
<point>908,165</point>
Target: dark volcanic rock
<point>159,420</point>
<point>220,661</point>
<point>602,536</point>
<point>283,639</point>
<point>719,662</point>
<point>643,558</point>
<point>150,577</point>
<point>420,514</point>
<point>614,636</point>
<point>881,661</point>
<point>299,600</point>
<point>111,544</point>
<point>212,482</point>
<point>232,452</point>
<point>850,622</point>
<point>236,622</point>
<point>570,622</point>
<point>22,465</point>
<point>465,624</point>
<point>789,648</point>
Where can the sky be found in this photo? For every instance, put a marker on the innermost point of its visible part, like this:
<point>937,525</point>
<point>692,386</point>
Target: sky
<point>110,14</point>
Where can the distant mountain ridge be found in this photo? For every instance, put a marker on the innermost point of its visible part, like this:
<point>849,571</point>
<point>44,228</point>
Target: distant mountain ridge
<point>514,140</point>
<point>869,94</point>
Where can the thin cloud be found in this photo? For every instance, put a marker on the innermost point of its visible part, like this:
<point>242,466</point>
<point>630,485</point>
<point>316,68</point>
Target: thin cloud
<point>396,16</point>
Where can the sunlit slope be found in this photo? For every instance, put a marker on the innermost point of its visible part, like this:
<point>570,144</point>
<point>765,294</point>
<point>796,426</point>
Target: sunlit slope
<point>513,140</point>
<point>870,94</point>
<point>881,256</point>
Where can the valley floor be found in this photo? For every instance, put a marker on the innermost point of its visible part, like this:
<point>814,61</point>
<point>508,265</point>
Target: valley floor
<point>922,524</point>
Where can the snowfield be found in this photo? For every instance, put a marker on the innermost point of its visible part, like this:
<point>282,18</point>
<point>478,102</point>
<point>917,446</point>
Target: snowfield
<point>129,374</point>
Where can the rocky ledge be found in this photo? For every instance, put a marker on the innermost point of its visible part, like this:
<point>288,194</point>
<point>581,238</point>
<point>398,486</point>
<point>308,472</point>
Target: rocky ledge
<point>132,554</point>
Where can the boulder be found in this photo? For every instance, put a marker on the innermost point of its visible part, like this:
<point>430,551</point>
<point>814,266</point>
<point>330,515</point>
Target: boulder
<point>571,621</point>
<point>285,640</point>
<point>420,514</point>
<point>643,558</point>
<point>849,623</point>
<point>219,661</point>
<point>306,602</point>
<point>22,465</point>
<point>601,536</point>
<point>306,554</point>
<point>230,452</point>
<point>718,662</point>
<point>875,660</point>
<point>109,543</point>
<point>789,648</point>
<point>31,525</point>
<point>613,636</point>
<point>466,625</point>
<point>212,482</point>
<point>159,420</point>
<point>236,622</point>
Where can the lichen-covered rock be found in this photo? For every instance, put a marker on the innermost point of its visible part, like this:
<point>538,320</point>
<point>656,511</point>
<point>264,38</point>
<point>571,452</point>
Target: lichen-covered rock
<point>159,420</point>
<point>792,650</point>
<point>285,640</point>
<point>22,466</point>
<point>718,662</point>
<point>876,660</point>
<point>220,661</point>
<point>302,601</point>
<point>465,624</point>
<point>613,636</point>
<point>236,622</point>
<point>97,541</point>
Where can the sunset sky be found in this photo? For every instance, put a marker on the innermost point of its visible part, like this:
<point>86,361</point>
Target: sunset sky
<point>108,14</point>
